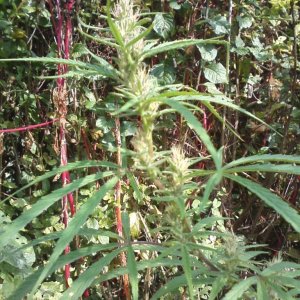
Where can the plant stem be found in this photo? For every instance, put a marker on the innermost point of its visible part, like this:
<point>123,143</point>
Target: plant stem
<point>119,204</point>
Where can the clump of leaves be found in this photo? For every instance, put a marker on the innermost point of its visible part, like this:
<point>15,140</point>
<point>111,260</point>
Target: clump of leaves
<point>226,267</point>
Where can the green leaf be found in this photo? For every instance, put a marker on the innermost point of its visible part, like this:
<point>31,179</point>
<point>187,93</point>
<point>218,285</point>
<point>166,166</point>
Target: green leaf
<point>206,222</point>
<point>282,208</point>
<point>196,125</point>
<point>244,21</point>
<point>281,293</point>
<point>219,283</point>
<point>27,284</point>
<point>161,260</point>
<point>179,281</point>
<point>104,124</point>
<point>131,263</point>
<point>239,289</point>
<point>113,27</point>
<point>70,166</point>
<point>139,37</point>
<point>74,226</point>
<point>187,270</point>
<point>219,99</point>
<point>208,52</point>
<point>42,204</point>
<point>88,232</point>
<point>167,46</point>
<point>264,158</point>
<point>215,73</point>
<point>288,169</point>
<point>281,267</point>
<point>165,73</point>
<point>219,25</point>
<point>262,291</point>
<point>213,181</point>
<point>16,257</point>
<point>135,187</point>
<point>101,70</point>
<point>103,41</point>
<point>174,4</point>
<point>79,50</point>
<point>164,25</point>
<point>86,278</point>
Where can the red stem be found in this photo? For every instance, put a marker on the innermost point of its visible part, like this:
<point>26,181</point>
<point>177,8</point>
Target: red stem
<point>29,127</point>
<point>63,31</point>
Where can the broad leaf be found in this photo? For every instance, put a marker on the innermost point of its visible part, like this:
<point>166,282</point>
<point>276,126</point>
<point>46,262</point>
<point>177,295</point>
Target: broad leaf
<point>208,52</point>
<point>215,73</point>
<point>164,25</point>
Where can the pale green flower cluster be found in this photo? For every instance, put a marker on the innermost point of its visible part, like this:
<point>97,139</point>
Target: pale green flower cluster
<point>135,75</point>
<point>143,146</point>
<point>142,84</point>
<point>179,165</point>
<point>136,79</point>
<point>138,83</point>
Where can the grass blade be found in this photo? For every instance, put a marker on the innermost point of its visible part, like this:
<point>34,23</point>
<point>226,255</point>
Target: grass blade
<point>286,168</point>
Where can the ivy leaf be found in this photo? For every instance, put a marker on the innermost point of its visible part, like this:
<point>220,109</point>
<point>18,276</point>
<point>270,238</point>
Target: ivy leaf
<point>104,124</point>
<point>164,25</point>
<point>244,22</point>
<point>79,50</point>
<point>240,46</point>
<point>260,54</point>
<point>165,73</point>
<point>90,98</point>
<point>219,25</point>
<point>208,52</point>
<point>174,4</point>
<point>215,73</point>
<point>128,128</point>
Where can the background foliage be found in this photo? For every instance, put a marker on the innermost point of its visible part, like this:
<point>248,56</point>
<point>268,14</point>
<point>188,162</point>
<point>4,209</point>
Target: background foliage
<point>196,213</point>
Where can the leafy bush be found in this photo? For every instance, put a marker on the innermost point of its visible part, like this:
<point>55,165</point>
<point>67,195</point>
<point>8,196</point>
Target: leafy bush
<point>173,232</point>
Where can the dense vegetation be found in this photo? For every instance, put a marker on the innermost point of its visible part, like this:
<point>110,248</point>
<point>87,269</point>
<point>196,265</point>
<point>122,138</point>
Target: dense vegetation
<point>149,149</point>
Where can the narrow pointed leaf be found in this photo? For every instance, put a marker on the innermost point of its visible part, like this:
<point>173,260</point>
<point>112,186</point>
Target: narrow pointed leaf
<point>288,169</point>
<point>28,283</point>
<point>10,230</point>
<point>264,158</point>
<point>187,270</point>
<point>86,278</point>
<point>69,167</point>
<point>74,226</point>
<point>239,289</point>
<point>167,46</point>
<point>131,263</point>
<point>272,200</point>
<point>196,125</point>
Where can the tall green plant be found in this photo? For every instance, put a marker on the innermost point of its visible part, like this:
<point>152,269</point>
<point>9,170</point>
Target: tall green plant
<point>198,265</point>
